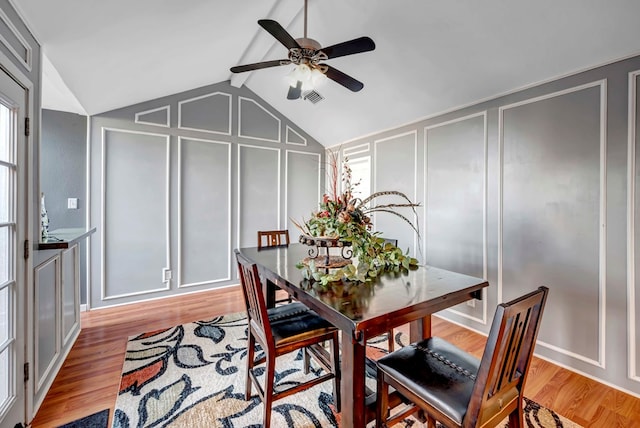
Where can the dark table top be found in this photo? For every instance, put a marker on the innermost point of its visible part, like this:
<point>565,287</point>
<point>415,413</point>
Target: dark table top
<point>371,308</point>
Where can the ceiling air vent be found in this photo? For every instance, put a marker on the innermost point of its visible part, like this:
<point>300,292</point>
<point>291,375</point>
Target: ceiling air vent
<point>312,96</point>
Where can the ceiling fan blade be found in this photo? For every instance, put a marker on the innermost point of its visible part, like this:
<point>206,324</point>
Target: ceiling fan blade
<point>361,44</point>
<point>295,92</point>
<point>259,65</point>
<point>279,33</point>
<point>343,79</point>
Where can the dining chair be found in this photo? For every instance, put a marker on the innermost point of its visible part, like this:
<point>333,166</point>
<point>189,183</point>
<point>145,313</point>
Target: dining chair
<point>275,238</point>
<point>282,330</point>
<point>458,390</point>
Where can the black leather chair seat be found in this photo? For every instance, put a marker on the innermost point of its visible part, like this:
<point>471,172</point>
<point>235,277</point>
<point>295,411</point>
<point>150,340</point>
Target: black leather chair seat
<point>437,372</point>
<point>295,322</point>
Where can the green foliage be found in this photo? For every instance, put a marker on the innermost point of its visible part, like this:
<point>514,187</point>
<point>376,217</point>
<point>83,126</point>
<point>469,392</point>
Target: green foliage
<point>375,256</point>
<point>347,218</point>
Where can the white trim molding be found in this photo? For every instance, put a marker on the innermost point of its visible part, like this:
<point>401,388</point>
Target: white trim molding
<point>212,94</point>
<point>240,100</point>
<point>103,160</point>
<point>181,284</point>
<point>602,288</point>
<point>142,113</point>
<point>415,171</point>
<point>292,131</point>
<point>355,150</point>
<point>485,197</point>
<point>239,171</point>
<point>631,228</point>
<point>283,222</point>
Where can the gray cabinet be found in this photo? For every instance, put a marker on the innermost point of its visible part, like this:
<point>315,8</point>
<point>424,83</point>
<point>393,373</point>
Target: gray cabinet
<point>56,315</point>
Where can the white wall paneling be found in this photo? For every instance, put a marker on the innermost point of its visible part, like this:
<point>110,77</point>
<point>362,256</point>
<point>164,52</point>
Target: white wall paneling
<point>552,222</point>
<point>46,322</point>
<point>256,122</point>
<point>206,113</point>
<point>188,197</point>
<point>70,290</point>
<point>302,187</point>
<point>204,249</point>
<point>395,168</point>
<point>632,213</point>
<point>160,116</point>
<point>455,231</point>
<point>295,138</point>
<point>134,228</point>
<point>258,192</point>
<point>356,150</point>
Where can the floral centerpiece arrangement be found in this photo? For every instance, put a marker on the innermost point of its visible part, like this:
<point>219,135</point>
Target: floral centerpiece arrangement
<point>347,219</point>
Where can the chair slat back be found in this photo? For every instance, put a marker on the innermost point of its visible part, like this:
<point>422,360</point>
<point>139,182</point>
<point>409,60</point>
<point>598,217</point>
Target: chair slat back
<point>272,238</point>
<point>509,349</point>
<point>254,297</point>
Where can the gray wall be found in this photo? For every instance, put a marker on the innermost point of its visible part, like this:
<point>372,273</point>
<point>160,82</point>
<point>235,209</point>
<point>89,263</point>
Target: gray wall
<point>178,182</point>
<point>63,175</point>
<point>533,189</point>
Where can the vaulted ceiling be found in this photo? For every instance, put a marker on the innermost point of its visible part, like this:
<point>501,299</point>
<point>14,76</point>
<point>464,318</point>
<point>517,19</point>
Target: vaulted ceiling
<point>431,56</point>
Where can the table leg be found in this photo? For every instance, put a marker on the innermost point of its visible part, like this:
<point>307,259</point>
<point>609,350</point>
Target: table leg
<point>420,329</point>
<point>352,384</point>
<point>269,290</point>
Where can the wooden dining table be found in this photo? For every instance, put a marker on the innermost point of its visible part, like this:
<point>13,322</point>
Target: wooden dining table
<point>363,311</point>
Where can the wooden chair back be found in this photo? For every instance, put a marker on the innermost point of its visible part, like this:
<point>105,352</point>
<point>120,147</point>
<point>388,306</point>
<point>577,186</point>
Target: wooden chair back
<point>257,314</point>
<point>272,238</point>
<point>506,359</point>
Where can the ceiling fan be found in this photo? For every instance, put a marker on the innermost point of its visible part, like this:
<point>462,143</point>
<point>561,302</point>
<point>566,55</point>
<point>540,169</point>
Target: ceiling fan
<point>307,54</point>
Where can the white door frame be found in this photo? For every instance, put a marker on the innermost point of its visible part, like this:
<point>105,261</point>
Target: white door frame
<point>16,73</point>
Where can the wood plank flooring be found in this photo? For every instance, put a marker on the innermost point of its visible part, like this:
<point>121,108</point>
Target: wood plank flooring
<point>88,382</point>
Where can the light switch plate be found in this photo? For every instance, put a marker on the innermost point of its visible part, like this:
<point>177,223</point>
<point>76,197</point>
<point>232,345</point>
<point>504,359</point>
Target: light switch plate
<point>72,203</point>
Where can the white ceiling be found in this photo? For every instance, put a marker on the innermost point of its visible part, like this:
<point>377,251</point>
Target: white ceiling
<point>431,55</point>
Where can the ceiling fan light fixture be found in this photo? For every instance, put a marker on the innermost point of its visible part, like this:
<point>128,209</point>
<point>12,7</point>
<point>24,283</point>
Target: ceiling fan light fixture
<point>309,77</point>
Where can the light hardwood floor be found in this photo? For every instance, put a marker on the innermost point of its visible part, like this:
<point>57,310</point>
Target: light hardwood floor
<point>88,382</point>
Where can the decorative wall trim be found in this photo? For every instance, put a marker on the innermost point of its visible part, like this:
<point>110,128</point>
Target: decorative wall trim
<point>485,193</point>
<point>239,170</point>
<point>26,59</point>
<point>240,100</point>
<point>292,131</point>
<point>631,228</point>
<point>602,84</point>
<point>74,252</point>
<point>361,148</point>
<point>283,222</point>
<point>415,168</point>
<point>103,291</point>
<point>228,276</point>
<point>41,380</point>
<point>180,103</point>
<point>143,122</point>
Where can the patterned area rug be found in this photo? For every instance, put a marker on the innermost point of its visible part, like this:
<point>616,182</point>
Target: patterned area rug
<point>192,375</point>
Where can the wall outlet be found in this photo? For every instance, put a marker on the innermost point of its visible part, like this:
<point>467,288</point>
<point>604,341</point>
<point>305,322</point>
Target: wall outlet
<point>471,303</point>
<point>72,203</point>
<point>167,275</point>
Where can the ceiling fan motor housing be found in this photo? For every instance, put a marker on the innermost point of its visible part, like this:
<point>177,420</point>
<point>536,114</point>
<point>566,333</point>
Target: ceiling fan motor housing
<point>309,52</point>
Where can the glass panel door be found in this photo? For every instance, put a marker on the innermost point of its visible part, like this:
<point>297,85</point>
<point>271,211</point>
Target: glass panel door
<point>12,287</point>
